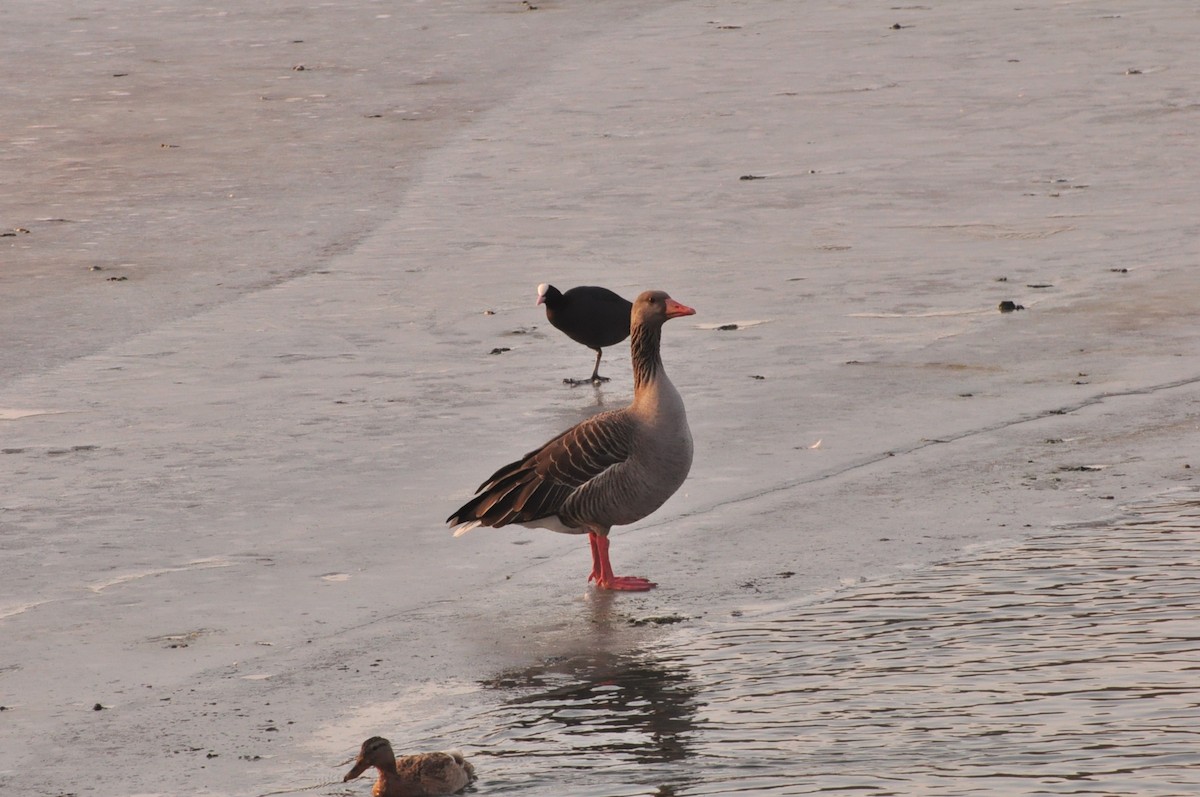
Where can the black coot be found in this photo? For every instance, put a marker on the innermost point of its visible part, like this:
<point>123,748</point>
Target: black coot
<point>587,314</point>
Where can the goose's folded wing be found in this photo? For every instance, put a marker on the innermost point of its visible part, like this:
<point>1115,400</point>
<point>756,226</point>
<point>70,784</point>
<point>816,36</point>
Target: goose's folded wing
<point>536,485</point>
<point>584,451</point>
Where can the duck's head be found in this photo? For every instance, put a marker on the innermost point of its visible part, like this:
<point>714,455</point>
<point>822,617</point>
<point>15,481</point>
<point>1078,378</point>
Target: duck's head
<point>547,294</point>
<point>656,307</point>
<point>375,752</point>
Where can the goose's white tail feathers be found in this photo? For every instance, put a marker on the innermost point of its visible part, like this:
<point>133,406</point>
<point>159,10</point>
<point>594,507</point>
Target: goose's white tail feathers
<point>464,528</point>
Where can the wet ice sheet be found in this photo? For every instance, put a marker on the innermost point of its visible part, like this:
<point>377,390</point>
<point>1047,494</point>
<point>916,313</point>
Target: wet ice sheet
<point>1066,664</point>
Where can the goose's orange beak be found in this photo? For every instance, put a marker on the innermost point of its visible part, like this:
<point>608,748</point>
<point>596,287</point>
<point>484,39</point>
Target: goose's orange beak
<point>675,309</point>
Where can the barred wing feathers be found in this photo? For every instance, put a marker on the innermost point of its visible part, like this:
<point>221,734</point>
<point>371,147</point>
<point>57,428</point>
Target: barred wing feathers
<point>539,484</point>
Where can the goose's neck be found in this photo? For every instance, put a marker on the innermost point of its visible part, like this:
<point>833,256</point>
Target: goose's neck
<point>647,361</point>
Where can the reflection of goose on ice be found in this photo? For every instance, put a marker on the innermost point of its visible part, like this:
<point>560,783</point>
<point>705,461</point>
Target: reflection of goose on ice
<point>641,707</point>
<point>417,775</point>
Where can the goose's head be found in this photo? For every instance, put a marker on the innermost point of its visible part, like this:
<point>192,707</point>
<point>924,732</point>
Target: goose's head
<point>656,307</point>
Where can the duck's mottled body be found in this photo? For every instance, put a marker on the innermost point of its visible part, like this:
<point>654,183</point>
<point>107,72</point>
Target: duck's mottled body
<point>417,775</point>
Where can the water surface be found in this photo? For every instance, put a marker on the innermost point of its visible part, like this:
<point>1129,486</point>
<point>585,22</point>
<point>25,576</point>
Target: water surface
<point>1066,663</point>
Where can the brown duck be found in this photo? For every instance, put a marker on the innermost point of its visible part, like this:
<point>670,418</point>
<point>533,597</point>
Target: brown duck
<point>612,469</point>
<point>418,775</point>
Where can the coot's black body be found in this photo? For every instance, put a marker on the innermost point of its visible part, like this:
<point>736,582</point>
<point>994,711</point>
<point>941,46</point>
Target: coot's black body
<point>588,314</point>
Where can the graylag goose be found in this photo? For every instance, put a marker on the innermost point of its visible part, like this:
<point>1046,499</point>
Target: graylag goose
<point>587,314</point>
<point>418,775</point>
<point>612,469</point>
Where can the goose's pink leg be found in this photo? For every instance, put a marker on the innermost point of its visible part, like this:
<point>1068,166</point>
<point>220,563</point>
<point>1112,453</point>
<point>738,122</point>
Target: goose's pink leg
<point>602,572</point>
<point>595,576</point>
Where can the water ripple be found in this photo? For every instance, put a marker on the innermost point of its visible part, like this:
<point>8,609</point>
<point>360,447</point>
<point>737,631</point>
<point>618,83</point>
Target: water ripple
<point>1068,663</point>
